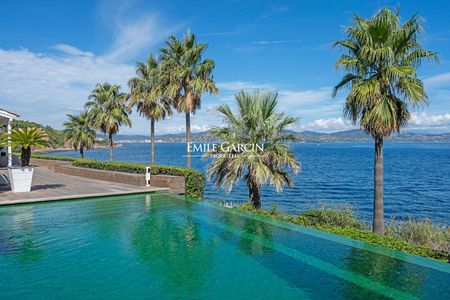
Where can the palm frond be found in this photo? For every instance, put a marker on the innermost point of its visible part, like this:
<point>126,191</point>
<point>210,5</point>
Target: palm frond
<point>255,122</point>
<point>381,61</point>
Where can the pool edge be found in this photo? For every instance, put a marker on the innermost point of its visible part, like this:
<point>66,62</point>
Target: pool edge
<point>393,253</point>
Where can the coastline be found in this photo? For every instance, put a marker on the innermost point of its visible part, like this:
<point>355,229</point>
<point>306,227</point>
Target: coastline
<point>296,142</point>
<point>61,149</point>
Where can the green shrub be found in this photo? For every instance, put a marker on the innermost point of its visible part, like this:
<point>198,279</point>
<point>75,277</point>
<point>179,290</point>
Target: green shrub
<point>62,158</point>
<point>272,213</point>
<point>328,216</point>
<point>422,233</point>
<point>324,216</point>
<point>344,223</point>
<point>194,180</point>
<point>389,242</point>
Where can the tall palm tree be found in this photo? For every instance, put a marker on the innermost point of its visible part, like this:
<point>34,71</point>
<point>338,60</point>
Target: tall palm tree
<point>381,60</point>
<point>264,156</point>
<point>147,95</point>
<point>187,76</point>
<point>107,111</point>
<point>78,133</point>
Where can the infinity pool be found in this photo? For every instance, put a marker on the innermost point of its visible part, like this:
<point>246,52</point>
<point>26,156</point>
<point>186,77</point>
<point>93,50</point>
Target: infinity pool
<point>160,246</point>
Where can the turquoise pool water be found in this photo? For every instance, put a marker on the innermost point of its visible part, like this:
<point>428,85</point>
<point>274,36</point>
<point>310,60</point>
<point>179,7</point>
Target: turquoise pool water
<point>159,246</point>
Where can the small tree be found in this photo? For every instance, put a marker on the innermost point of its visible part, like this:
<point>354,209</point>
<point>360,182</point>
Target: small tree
<point>256,123</point>
<point>26,139</point>
<point>147,95</point>
<point>78,133</point>
<point>107,111</point>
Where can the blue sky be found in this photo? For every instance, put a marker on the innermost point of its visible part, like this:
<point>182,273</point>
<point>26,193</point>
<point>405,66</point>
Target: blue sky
<point>52,53</point>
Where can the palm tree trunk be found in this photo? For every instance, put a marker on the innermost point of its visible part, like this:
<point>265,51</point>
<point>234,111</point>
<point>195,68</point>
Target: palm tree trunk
<point>111,145</point>
<point>81,152</point>
<point>152,139</point>
<point>188,139</point>
<point>254,191</point>
<point>378,218</point>
<point>25,156</point>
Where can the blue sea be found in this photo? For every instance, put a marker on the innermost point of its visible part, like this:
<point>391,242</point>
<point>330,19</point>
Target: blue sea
<point>416,177</point>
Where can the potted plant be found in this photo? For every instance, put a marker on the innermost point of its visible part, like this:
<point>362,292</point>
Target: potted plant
<point>20,177</point>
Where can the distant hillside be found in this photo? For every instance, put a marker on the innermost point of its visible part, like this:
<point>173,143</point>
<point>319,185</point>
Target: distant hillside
<point>355,135</point>
<point>55,137</point>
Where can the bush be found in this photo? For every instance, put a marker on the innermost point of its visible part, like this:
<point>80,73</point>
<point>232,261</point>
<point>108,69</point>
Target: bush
<point>342,221</point>
<point>389,242</point>
<point>194,180</point>
<point>324,216</point>
<point>328,216</point>
<point>422,233</point>
<point>62,158</point>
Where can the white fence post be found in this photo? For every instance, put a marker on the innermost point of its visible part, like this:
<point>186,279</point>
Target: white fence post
<point>147,176</point>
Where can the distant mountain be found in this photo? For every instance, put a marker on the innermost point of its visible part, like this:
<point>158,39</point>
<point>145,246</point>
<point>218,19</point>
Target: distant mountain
<point>351,134</point>
<point>204,136</point>
<point>354,135</point>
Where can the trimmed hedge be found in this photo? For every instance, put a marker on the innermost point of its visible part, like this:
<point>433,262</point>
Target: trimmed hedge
<point>194,180</point>
<point>353,232</point>
<point>43,156</point>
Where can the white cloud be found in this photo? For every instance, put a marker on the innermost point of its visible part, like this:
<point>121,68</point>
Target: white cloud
<point>329,125</point>
<point>134,36</point>
<point>305,97</point>
<point>287,95</point>
<point>309,104</point>
<point>165,127</point>
<point>426,121</point>
<point>419,121</point>
<point>198,128</point>
<point>319,111</point>
<point>437,80</point>
<point>45,87</point>
<point>70,50</point>
<point>135,31</point>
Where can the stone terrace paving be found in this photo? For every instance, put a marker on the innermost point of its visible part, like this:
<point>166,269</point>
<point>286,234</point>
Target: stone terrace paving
<point>49,186</point>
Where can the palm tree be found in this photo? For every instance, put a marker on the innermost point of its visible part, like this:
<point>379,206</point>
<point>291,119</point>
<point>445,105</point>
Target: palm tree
<point>78,133</point>
<point>381,60</point>
<point>187,76</point>
<point>27,138</point>
<point>107,111</point>
<point>147,95</point>
<point>263,156</point>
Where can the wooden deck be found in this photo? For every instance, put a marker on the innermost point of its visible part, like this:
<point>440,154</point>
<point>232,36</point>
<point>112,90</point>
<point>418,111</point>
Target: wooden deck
<point>50,186</point>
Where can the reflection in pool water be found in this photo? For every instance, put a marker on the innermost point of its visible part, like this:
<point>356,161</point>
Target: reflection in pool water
<point>162,246</point>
